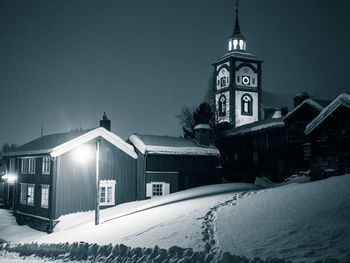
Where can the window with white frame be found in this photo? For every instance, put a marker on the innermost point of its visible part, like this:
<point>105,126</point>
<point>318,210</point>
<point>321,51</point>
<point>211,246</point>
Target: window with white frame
<point>24,166</point>
<point>31,166</point>
<point>107,192</point>
<point>155,189</point>
<point>12,165</point>
<point>46,165</point>
<point>23,197</point>
<point>30,194</point>
<point>45,188</point>
<point>27,194</point>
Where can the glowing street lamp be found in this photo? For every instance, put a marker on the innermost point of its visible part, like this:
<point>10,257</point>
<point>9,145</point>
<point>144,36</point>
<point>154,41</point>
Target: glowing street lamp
<point>10,178</point>
<point>83,154</point>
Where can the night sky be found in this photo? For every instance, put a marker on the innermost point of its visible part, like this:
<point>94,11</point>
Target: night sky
<point>62,63</point>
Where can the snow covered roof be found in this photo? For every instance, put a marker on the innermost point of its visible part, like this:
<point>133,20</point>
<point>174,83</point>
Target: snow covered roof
<point>341,100</point>
<point>256,127</point>
<point>154,144</point>
<point>309,102</point>
<point>239,54</point>
<point>59,143</point>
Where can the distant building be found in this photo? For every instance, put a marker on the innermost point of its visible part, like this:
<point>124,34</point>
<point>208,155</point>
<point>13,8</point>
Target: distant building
<point>256,134</point>
<point>237,78</point>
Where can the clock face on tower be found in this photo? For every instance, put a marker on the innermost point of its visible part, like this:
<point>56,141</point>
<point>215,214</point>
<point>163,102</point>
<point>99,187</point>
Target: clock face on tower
<point>246,77</point>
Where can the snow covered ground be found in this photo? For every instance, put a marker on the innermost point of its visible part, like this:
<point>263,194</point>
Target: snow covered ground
<point>296,221</point>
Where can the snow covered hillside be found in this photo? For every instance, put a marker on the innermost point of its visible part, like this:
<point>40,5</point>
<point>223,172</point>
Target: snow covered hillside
<point>299,222</point>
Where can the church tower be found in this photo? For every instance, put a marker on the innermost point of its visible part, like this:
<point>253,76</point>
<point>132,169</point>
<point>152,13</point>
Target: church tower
<point>237,77</point>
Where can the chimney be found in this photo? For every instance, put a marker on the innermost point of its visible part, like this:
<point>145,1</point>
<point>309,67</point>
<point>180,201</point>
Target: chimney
<point>284,111</point>
<point>299,98</point>
<point>202,134</point>
<point>105,122</point>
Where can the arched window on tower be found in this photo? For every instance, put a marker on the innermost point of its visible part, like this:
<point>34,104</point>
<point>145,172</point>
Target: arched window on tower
<point>222,106</point>
<point>247,105</point>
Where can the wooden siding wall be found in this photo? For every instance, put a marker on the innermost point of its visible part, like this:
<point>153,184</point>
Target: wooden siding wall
<point>167,177</point>
<point>270,148</point>
<point>75,188</point>
<point>192,171</point>
<point>141,182</point>
<point>38,178</point>
<point>330,145</point>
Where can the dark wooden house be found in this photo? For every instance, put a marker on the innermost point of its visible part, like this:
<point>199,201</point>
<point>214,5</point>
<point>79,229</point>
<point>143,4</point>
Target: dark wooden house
<point>56,175</point>
<point>169,164</point>
<point>253,150</point>
<point>329,134</point>
<point>274,147</point>
<point>298,148</point>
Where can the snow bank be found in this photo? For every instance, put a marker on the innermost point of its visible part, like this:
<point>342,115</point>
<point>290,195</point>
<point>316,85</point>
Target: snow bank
<point>301,222</point>
<point>120,253</point>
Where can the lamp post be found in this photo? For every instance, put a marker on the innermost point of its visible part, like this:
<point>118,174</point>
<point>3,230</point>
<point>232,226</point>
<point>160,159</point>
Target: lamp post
<point>97,208</point>
<point>83,155</point>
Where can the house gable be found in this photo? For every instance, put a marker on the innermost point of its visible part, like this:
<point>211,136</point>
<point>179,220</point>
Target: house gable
<point>343,100</point>
<point>99,132</point>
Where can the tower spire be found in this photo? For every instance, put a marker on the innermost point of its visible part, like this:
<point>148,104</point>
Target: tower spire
<point>237,29</point>
<point>237,41</point>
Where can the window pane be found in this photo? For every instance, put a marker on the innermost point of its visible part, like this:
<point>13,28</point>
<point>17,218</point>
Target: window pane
<point>45,196</point>
<point>24,165</point>
<point>31,165</point>
<point>109,194</point>
<point>102,194</point>
<point>12,165</point>
<point>157,189</point>
<point>46,165</point>
<point>30,194</point>
<point>23,199</point>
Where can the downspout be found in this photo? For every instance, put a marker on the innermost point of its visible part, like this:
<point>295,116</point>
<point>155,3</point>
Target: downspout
<point>144,174</point>
<point>51,192</point>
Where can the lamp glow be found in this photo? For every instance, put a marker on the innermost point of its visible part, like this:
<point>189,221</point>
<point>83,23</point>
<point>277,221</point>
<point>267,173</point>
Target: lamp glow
<point>10,178</point>
<point>83,154</point>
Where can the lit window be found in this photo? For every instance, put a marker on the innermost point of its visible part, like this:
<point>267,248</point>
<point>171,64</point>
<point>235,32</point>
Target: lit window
<point>45,195</point>
<point>31,166</point>
<point>46,165</point>
<point>230,45</point>
<point>307,152</point>
<point>24,167</point>
<point>107,192</point>
<point>235,44</point>
<point>241,43</point>
<point>247,105</point>
<point>23,197</point>
<point>155,189</point>
<point>222,106</point>
<point>30,195</point>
